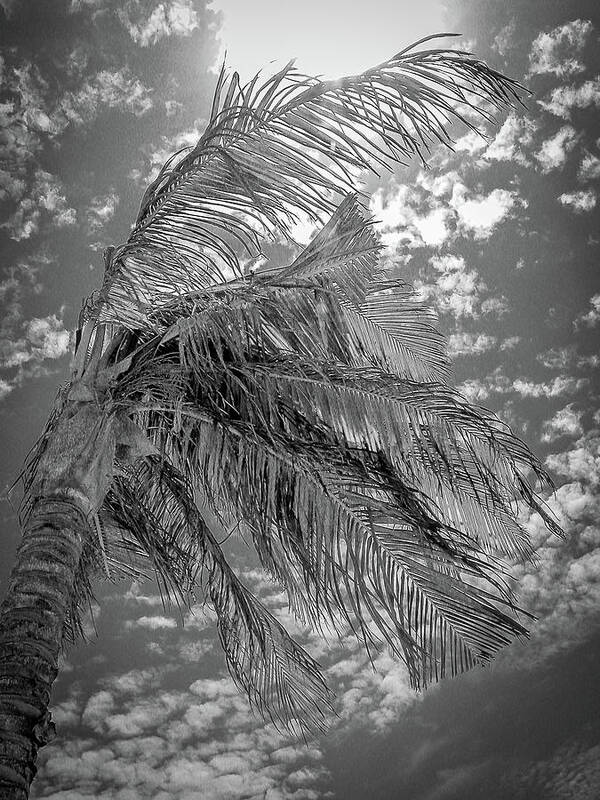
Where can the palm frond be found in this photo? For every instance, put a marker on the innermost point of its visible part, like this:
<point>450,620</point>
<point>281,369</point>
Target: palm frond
<point>303,405</point>
<point>310,510</point>
<point>154,505</point>
<point>287,146</point>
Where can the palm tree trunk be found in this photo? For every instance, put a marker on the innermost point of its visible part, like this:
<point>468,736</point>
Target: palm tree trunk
<point>32,617</point>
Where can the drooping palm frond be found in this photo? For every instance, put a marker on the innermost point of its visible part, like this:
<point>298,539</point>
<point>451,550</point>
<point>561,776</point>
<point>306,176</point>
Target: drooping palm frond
<point>157,511</point>
<point>288,145</point>
<point>303,405</point>
<point>368,495</point>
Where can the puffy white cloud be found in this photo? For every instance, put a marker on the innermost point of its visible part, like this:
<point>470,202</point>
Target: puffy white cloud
<point>581,462</point>
<point>480,214</point>
<point>42,338</point>
<point>154,623</point>
<point>566,422</point>
<point>559,386</point>
<point>139,742</point>
<point>564,99</point>
<point>563,586</point>
<point>478,389</point>
<point>560,358</point>
<point>471,143</point>
<point>580,202</point>
<point>557,51</point>
<point>504,41</point>
<point>47,337</point>
<point>79,5</point>
<point>159,155</point>
<point>174,18</point>
<point>554,151</point>
<point>432,227</point>
<point>101,210</point>
<point>510,343</point>
<point>44,199</point>
<point>438,185</point>
<point>414,215</point>
<point>433,210</point>
<point>495,306</point>
<point>457,288</point>
<point>117,89</point>
<point>510,142</point>
<point>591,318</point>
<point>16,350</point>
<point>589,169</point>
<point>462,344</point>
<point>6,388</point>
<point>134,595</point>
<point>394,212</point>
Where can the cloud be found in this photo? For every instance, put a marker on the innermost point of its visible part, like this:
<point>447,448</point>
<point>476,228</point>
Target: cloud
<point>26,345</point>
<point>157,156</point>
<point>471,143</point>
<point>566,422</point>
<point>45,200</point>
<point>480,214</point>
<point>479,389</point>
<point>79,5</point>
<point>581,462</point>
<point>562,586</point>
<point>134,595</point>
<point>504,41</point>
<point>554,152</point>
<point>47,337</point>
<point>43,338</point>
<point>175,18</point>
<point>5,388</point>
<point>557,52</point>
<point>511,140</point>
<point>456,290</point>
<point>580,202</point>
<point>138,742</point>
<point>591,318</point>
<point>406,216</point>
<point>152,623</point>
<point>589,169</point>
<point>101,210</point>
<point>435,209</point>
<point>560,358</point>
<point>565,99</point>
<point>555,388</point>
<point>117,89</point>
<point>463,344</point>
<point>432,227</point>
<point>510,343</point>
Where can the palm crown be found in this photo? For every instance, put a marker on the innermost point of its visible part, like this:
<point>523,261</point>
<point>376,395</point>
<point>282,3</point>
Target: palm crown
<point>303,405</point>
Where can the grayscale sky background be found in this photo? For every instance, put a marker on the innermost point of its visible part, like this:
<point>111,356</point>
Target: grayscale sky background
<point>502,236</point>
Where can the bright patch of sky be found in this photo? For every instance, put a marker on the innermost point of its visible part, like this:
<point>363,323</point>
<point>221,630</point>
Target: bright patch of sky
<point>331,39</point>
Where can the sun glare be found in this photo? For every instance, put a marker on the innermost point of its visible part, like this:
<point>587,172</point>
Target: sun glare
<point>330,38</point>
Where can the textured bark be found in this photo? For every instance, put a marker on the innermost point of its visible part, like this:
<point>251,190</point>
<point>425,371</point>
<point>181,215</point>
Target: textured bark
<point>32,616</point>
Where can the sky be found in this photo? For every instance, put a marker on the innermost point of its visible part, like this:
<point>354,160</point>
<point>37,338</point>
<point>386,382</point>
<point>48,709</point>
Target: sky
<point>502,236</point>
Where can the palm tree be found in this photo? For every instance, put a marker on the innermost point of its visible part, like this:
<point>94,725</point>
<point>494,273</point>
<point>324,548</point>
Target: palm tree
<point>304,406</point>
